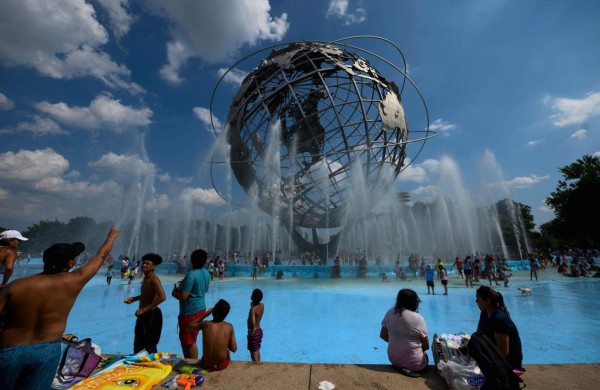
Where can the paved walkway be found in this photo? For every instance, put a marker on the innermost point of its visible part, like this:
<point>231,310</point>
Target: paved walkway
<point>283,376</point>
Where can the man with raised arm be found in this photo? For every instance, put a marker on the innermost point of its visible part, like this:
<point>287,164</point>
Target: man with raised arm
<point>37,308</point>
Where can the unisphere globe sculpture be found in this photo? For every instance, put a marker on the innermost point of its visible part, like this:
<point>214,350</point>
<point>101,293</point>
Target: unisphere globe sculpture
<point>313,125</point>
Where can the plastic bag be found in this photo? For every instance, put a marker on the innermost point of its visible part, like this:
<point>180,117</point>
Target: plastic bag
<point>461,376</point>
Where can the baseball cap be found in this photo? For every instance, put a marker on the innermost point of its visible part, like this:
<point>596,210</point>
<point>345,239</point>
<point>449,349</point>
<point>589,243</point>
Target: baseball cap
<point>63,252</point>
<point>9,234</point>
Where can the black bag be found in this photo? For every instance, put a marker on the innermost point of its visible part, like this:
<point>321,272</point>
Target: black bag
<point>498,374</point>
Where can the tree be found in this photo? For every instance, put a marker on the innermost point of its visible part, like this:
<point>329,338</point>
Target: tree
<point>576,204</point>
<point>516,223</point>
<point>42,235</point>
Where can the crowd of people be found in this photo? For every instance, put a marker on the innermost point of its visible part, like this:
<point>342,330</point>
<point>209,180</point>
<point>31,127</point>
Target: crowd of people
<point>35,308</point>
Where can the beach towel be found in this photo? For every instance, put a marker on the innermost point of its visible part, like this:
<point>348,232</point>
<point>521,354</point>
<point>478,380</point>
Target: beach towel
<point>141,371</point>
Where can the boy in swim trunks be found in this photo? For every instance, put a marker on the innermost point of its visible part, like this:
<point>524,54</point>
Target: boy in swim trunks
<point>148,325</point>
<point>255,333</point>
<point>218,337</point>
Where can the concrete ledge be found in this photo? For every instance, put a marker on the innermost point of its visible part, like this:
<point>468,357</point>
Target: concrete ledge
<point>259,376</point>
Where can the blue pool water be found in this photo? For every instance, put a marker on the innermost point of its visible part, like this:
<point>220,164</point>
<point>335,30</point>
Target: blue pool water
<point>338,321</point>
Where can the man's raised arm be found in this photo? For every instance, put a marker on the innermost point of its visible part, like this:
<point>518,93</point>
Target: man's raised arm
<point>91,268</point>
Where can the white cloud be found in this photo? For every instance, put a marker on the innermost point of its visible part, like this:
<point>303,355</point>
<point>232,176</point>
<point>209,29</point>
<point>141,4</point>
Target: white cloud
<point>123,166</point>
<point>60,39</point>
<point>579,134</point>
<point>103,112</point>
<point>161,202</point>
<point>234,76</point>
<point>597,154</point>
<point>525,181</point>
<point>31,165</point>
<point>204,115</point>
<point>545,209</point>
<point>5,103</point>
<point>426,194</point>
<point>419,173</point>
<point>164,177</point>
<point>184,180</point>
<point>120,19</point>
<point>339,8</point>
<point>204,196</point>
<point>38,126</point>
<point>39,188</point>
<point>534,142</point>
<point>215,31</point>
<point>574,111</point>
<point>442,127</point>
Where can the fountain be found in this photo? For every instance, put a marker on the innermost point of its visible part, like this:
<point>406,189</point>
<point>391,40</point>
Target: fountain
<point>316,137</point>
<point>317,134</point>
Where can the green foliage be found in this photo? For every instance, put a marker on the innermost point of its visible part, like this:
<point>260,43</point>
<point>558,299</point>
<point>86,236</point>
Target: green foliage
<point>516,223</point>
<point>576,204</point>
<point>45,233</point>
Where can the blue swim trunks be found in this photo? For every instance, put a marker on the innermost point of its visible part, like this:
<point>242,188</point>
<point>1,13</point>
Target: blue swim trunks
<point>31,367</point>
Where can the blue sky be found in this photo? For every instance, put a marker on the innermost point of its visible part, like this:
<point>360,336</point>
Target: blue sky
<point>98,97</point>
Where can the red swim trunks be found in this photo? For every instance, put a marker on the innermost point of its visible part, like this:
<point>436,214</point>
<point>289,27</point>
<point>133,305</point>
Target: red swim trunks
<point>255,340</point>
<point>219,367</point>
<point>186,336</point>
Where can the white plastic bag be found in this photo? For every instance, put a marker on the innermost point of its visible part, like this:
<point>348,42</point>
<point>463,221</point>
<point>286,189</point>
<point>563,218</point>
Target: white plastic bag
<point>461,376</point>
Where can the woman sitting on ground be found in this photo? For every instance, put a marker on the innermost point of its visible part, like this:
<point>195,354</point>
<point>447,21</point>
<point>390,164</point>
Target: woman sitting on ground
<point>495,322</point>
<point>406,334</point>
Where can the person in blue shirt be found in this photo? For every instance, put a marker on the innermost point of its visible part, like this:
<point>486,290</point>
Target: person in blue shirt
<point>191,296</point>
<point>429,276</point>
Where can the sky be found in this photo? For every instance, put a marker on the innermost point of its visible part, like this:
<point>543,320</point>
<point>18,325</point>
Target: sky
<point>101,98</point>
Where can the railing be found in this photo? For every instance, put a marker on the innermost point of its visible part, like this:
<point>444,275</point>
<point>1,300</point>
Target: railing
<point>325,271</point>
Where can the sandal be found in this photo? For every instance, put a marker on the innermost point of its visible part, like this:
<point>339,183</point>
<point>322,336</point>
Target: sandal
<point>409,373</point>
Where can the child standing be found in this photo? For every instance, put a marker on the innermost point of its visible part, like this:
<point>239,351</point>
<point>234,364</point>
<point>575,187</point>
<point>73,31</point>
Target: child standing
<point>429,276</point>
<point>109,275</point>
<point>444,278</point>
<point>255,333</point>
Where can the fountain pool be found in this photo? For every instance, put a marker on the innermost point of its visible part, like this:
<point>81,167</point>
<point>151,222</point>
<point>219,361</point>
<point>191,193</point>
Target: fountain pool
<point>338,320</point>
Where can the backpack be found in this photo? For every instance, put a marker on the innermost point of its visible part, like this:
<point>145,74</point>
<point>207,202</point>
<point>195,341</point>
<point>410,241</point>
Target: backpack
<point>498,374</point>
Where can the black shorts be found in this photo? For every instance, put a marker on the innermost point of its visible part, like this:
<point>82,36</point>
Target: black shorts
<point>468,272</point>
<point>430,283</point>
<point>444,282</point>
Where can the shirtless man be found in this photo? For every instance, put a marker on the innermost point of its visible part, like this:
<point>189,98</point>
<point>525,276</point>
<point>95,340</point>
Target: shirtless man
<point>37,310</point>
<point>148,325</point>
<point>9,241</point>
<point>255,333</point>
<point>218,337</point>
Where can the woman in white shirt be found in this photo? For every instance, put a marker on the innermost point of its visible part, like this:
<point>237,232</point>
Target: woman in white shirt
<point>406,334</point>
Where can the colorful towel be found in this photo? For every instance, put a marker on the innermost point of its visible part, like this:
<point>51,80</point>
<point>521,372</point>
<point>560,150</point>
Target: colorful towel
<point>141,371</point>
